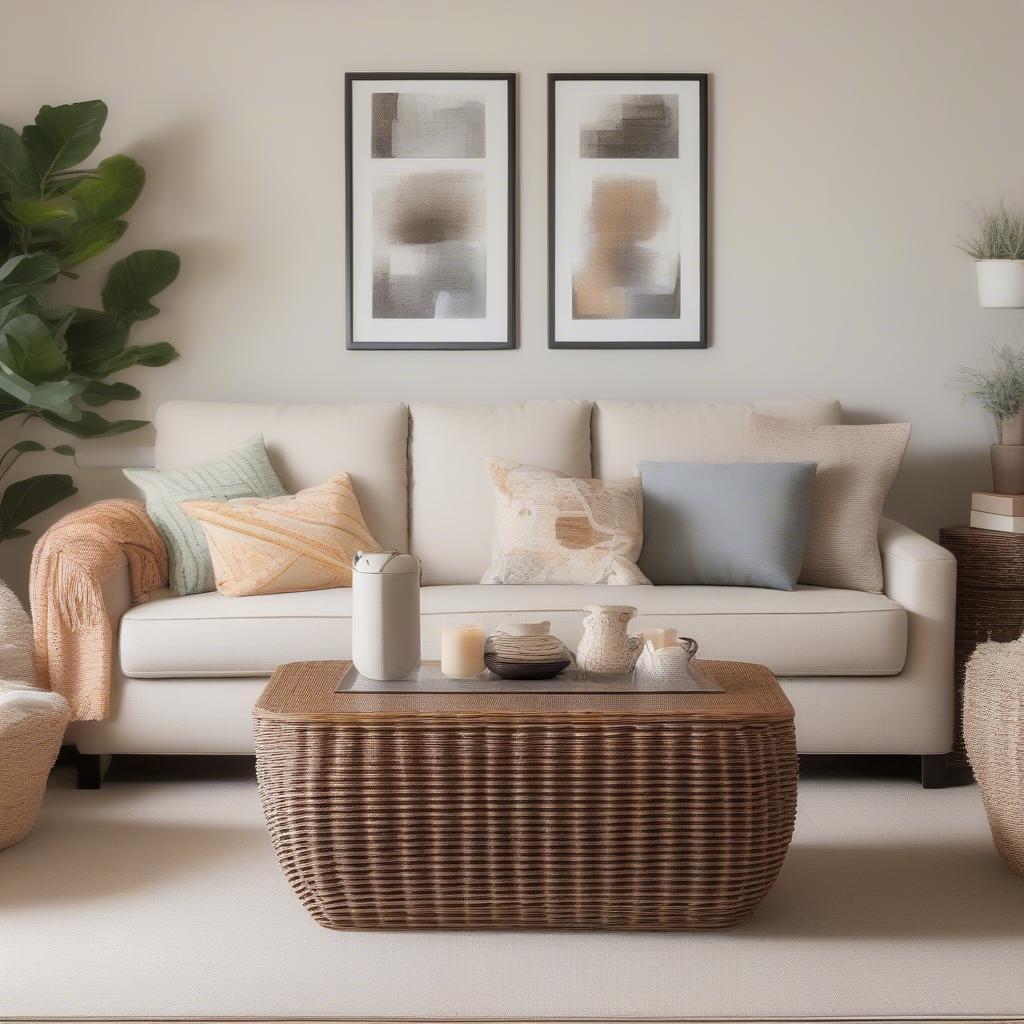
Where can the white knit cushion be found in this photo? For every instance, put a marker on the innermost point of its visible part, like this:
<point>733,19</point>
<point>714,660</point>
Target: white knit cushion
<point>856,467</point>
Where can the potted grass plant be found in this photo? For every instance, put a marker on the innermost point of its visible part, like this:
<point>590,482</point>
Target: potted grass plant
<point>997,247</point>
<point>999,390</point>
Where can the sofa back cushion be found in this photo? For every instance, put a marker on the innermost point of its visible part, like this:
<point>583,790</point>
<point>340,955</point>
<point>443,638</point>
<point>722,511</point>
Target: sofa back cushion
<point>626,433</point>
<point>452,508</point>
<point>307,445</point>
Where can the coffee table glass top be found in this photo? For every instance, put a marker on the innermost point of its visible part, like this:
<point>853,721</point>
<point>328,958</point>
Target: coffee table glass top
<point>429,679</point>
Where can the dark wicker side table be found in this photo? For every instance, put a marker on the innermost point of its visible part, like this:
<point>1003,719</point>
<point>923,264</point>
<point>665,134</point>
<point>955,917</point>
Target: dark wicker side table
<point>989,605</point>
<point>505,810</point>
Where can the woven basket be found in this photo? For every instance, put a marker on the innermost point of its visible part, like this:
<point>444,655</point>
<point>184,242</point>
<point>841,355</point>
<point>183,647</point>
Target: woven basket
<point>32,724</point>
<point>994,738</point>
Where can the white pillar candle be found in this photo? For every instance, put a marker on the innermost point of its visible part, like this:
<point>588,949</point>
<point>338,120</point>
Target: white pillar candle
<point>462,651</point>
<point>662,637</point>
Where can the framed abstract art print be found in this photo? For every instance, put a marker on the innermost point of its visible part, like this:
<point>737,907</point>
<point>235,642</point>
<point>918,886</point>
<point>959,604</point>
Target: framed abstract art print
<point>627,211</point>
<point>431,210</point>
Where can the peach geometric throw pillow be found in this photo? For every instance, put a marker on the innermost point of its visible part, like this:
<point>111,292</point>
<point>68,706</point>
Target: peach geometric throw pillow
<point>303,541</point>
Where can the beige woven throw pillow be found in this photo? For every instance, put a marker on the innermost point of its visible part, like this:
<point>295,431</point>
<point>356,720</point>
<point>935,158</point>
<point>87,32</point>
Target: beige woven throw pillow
<point>302,541</point>
<point>551,528</point>
<point>856,467</point>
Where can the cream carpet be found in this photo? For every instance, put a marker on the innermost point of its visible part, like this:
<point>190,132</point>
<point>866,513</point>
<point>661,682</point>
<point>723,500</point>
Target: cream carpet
<point>160,896</point>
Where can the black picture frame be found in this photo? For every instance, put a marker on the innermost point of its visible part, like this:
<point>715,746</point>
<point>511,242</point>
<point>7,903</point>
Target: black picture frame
<point>512,337</point>
<point>703,339</point>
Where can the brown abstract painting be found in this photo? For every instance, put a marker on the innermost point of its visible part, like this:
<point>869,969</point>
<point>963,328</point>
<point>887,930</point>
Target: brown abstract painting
<point>429,257</point>
<point>430,200</point>
<point>627,211</point>
<point>630,264</point>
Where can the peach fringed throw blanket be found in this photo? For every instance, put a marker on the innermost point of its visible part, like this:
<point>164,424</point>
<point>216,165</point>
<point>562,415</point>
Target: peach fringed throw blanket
<point>70,564</point>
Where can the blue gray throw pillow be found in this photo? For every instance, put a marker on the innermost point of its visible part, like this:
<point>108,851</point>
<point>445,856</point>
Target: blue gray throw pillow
<point>735,524</point>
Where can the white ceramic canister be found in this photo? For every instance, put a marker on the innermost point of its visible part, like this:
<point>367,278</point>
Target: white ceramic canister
<point>386,614</point>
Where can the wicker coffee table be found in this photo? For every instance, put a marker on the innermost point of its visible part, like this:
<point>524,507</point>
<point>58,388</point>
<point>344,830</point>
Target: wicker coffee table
<point>571,810</point>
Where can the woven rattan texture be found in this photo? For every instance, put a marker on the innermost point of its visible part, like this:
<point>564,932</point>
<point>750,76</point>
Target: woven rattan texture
<point>989,602</point>
<point>304,691</point>
<point>469,813</point>
<point>994,737</point>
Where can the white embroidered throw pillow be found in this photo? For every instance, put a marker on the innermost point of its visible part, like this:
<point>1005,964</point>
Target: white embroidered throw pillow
<point>551,528</point>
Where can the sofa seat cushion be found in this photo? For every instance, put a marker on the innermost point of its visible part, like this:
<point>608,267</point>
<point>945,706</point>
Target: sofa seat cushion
<point>805,632</point>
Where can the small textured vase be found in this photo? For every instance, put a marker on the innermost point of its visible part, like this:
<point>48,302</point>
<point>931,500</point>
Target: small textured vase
<point>606,648</point>
<point>994,738</point>
<point>1008,468</point>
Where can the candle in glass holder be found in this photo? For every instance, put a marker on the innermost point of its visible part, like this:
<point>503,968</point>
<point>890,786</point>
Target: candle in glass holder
<point>462,651</point>
<point>664,636</point>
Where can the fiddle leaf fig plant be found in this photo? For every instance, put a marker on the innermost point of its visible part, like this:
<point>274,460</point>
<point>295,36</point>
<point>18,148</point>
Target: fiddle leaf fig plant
<point>56,358</point>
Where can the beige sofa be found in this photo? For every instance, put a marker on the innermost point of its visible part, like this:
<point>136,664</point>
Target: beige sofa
<point>867,673</point>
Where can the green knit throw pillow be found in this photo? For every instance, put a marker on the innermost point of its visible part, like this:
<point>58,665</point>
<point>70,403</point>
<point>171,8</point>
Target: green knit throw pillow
<point>244,473</point>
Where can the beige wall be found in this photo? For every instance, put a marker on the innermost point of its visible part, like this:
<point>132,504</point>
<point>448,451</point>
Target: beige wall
<point>847,139</point>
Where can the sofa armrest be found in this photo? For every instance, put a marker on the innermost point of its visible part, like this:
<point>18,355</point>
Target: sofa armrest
<point>921,576</point>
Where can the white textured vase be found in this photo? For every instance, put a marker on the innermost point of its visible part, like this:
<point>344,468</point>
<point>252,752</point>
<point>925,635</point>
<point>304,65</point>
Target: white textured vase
<point>1000,283</point>
<point>606,647</point>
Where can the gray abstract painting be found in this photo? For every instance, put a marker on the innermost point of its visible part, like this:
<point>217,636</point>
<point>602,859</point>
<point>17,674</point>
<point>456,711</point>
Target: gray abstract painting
<point>429,258</point>
<point>632,127</point>
<point>419,125</point>
<point>629,265</point>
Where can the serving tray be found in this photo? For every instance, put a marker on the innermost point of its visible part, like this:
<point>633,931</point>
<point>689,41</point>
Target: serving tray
<point>429,679</point>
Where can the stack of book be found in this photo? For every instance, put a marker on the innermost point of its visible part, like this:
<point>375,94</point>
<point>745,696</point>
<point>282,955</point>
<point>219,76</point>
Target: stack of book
<point>997,511</point>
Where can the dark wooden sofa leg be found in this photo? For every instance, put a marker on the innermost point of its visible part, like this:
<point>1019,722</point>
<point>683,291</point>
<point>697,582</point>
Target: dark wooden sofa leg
<point>90,771</point>
<point>934,771</point>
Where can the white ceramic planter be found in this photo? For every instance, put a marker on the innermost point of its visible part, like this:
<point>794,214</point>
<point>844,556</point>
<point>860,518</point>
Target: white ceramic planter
<point>1001,283</point>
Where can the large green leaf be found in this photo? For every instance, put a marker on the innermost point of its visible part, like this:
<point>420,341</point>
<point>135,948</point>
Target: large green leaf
<point>93,339</point>
<point>91,240</point>
<point>112,189</point>
<point>27,498</point>
<point>160,353</point>
<point>56,396</point>
<point>64,136</point>
<point>21,274</point>
<point>9,405</point>
<point>43,213</point>
<point>92,424</point>
<point>28,347</point>
<point>133,281</point>
<point>17,173</point>
<point>12,308</point>
<point>98,393</point>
